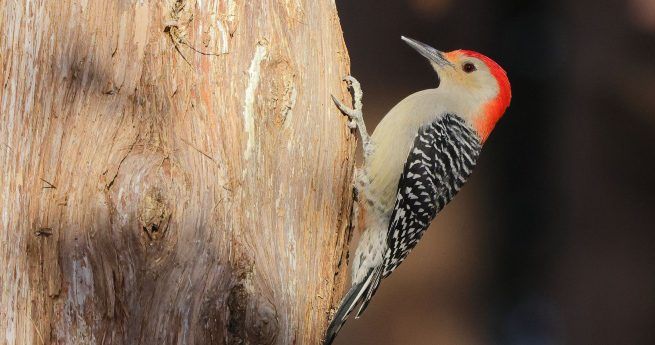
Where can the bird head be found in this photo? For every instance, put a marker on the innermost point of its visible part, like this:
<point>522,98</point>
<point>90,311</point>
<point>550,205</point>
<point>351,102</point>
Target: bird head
<point>476,86</point>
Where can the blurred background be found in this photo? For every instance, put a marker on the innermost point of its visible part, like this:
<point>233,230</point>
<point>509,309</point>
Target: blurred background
<point>552,241</point>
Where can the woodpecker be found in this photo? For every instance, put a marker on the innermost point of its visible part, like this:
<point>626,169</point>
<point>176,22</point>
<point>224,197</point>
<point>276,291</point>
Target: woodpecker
<point>417,159</point>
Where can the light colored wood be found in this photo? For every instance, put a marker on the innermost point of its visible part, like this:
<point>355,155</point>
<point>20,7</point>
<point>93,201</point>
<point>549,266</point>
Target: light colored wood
<point>145,199</point>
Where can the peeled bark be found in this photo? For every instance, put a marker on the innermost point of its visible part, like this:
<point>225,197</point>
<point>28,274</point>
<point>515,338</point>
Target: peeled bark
<point>171,172</point>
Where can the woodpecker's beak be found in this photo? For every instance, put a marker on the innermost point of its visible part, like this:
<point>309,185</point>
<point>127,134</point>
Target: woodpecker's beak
<point>430,53</point>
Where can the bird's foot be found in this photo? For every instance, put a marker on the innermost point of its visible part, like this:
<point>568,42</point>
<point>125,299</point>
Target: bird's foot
<point>356,114</point>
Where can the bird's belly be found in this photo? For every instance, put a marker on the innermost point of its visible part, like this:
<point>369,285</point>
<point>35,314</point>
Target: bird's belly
<point>372,245</point>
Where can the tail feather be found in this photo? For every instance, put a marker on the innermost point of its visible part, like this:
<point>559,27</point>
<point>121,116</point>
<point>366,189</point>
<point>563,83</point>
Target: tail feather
<point>349,302</point>
<point>374,279</point>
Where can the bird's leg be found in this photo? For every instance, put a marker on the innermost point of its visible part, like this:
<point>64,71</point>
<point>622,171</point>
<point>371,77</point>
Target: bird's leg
<point>356,115</point>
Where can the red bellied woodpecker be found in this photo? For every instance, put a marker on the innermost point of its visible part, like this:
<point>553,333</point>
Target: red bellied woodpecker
<point>417,159</point>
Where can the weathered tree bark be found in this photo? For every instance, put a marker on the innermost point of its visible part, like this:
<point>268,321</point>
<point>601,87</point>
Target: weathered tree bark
<point>171,172</point>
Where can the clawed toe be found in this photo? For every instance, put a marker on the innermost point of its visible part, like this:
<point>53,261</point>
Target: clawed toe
<point>344,109</point>
<point>337,102</point>
<point>356,114</point>
<point>353,114</point>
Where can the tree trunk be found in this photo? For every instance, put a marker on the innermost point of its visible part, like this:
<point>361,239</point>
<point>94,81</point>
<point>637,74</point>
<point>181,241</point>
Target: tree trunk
<point>171,172</point>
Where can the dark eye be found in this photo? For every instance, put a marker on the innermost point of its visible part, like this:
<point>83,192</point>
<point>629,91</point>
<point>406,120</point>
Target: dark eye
<point>468,67</point>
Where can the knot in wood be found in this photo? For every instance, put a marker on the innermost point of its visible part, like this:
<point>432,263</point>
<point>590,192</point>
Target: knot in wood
<point>252,317</point>
<point>155,214</point>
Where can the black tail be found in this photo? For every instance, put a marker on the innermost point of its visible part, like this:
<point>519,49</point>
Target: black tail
<point>348,303</point>
<point>361,292</point>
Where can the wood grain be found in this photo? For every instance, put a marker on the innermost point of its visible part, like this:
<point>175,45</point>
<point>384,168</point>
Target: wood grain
<point>171,172</point>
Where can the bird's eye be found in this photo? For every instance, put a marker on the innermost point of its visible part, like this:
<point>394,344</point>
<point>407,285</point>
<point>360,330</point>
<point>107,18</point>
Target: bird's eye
<point>468,67</point>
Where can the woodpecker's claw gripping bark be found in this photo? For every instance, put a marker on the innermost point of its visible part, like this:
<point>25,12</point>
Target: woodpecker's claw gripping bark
<point>355,114</point>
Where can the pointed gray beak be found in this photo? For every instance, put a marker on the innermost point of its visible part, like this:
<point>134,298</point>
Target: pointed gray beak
<point>430,53</point>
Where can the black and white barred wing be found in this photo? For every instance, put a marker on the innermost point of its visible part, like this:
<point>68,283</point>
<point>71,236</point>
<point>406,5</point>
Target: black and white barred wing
<point>442,157</point>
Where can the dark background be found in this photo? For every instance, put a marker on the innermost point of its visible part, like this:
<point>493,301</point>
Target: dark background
<point>552,241</point>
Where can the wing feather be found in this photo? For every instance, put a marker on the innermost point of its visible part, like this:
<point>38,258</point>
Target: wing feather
<point>439,162</point>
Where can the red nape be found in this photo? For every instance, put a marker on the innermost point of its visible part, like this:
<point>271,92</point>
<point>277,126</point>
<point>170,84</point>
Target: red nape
<point>493,110</point>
